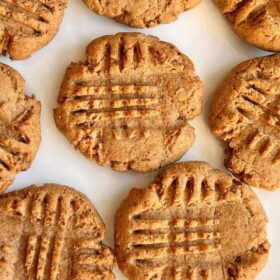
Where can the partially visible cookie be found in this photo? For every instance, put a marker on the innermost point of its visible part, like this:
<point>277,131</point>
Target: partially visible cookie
<point>257,22</point>
<point>52,233</point>
<point>245,113</point>
<point>19,126</point>
<point>129,104</point>
<point>28,25</point>
<point>193,222</point>
<point>141,13</point>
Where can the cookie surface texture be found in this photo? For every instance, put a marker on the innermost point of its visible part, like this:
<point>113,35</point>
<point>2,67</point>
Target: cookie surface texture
<point>257,22</point>
<point>19,126</point>
<point>245,114</point>
<point>193,222</point>
<point>27,25</point>
<point>141,13</point>
<point>129,104</point>
<point>52,233</point>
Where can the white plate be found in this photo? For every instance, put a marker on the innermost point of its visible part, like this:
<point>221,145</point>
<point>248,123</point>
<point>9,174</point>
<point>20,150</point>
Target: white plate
<point>203,35</point>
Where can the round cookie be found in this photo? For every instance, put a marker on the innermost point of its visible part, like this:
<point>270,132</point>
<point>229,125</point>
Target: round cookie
<point>52,232</point>
<point>19,126</point>
<point>129,104</point>
<point>257,22</point>
<point>193,222</point>
<point>141,13</point>
<point>245,114</point>
<point>28,25</point>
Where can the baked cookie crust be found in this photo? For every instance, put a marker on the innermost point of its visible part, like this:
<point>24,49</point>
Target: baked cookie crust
<point>128,105</point>
<point>192,222</point>
<point>245,114</point>
<point>53,233</point>
<point>27,25</point>
<point>20,133</point>
<point>257,22</point>
<point>141,13</point>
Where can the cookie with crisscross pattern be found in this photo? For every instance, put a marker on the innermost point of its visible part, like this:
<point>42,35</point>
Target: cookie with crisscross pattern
<point>192,223</point>
<point>19,126</point>
<point>52,233</point>
<point>245,113</point>
<point>28,25</point>
<point>129,104</point>
<point>257,22</point>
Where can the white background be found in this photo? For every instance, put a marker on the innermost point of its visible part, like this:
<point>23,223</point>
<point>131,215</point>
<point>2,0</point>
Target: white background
<point>203,35</point>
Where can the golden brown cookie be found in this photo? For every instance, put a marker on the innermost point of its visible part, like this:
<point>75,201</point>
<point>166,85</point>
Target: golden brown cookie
<point>257,21</point>
<point>52,233</point>
<point>129,104</point>
<point>28,25</point>
<point>245,113</point>
<point>192,222</point>
<point>19,126</point>
<point>141,13</point>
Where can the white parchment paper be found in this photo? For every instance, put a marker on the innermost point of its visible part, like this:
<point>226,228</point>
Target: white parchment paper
<point>202,34</point>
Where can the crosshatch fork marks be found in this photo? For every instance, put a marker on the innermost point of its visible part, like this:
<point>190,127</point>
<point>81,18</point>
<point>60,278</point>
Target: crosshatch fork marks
<point>14,134</point>
<point>35,7</point>
<point>152,239</point>
<point>61,235</point>
<point>126,85</point>
<point>114,97</point>
<point>185,191</point>
<point>43,252</point>
<point>25,17</point>
<point>260,98</point>
<point>28,25</point>
<point>115,56</point>
<point>151,235</point>
<point>30,9</point>
<point>114,102</point>
<point>77,120</point>
<point>251,94</point>
<point>115,92</point>
<point>12,130</point>
<point>244,10</point>
<point>100,106</point>
<point>264,145</point>
<point>182,273</point>
<point>19,137</point>
<point>258,107</point>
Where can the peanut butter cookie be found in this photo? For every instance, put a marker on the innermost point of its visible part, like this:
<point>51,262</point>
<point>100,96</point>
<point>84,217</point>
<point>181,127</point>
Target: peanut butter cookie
<point>257,22</point>
<point>193,222</point>
<point>52,233</point>
<point>245,114</point>
<point>28,25</point>
<point>19,126</point>
<point>141,13</point>
<point>129,104</point>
